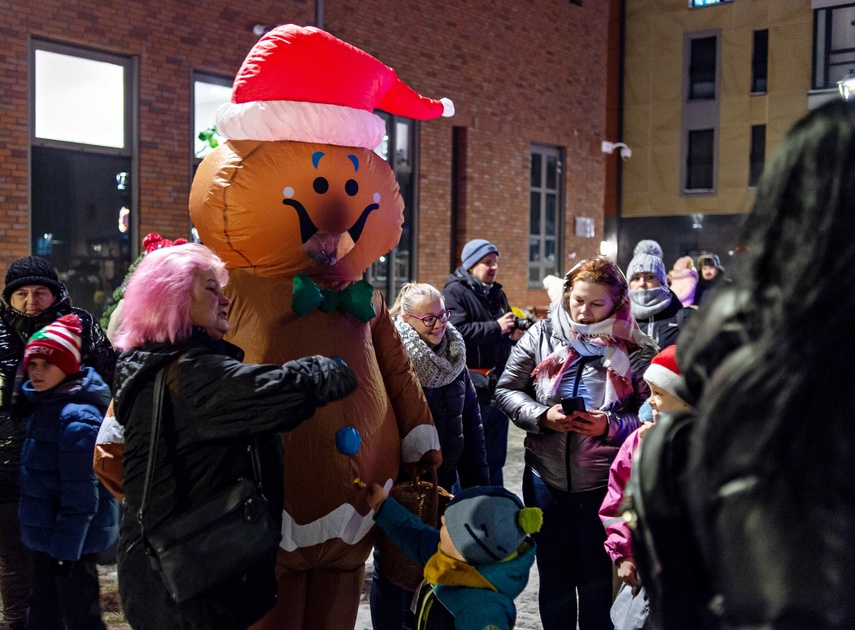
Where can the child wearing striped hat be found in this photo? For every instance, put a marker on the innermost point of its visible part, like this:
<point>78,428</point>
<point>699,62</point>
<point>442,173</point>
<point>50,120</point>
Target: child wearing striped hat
<point>67,517</point>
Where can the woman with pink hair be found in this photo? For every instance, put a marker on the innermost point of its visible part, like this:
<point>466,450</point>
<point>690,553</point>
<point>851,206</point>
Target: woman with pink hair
<point>214,408</point>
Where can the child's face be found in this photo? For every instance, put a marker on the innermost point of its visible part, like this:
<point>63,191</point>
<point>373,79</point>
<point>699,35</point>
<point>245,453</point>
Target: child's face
<point>44,375</point>
<point>666,402</point>
<point>445,543</point>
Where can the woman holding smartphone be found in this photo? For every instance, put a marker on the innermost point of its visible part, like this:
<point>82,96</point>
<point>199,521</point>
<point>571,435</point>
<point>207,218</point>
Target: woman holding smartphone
<point>589,349</point>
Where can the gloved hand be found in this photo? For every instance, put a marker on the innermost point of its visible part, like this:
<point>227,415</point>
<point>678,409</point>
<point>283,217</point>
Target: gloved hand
<point>61,568</point>
<point>334,379</point>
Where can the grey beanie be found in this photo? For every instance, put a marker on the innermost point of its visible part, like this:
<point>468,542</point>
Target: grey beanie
<point>647,263</point>
<point>648,246</point>
<point>488,523</point>
<point>474,251</point>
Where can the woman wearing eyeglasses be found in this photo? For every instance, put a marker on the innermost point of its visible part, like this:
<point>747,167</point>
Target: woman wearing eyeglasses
<point>590,353</point>
<point>439,357</point>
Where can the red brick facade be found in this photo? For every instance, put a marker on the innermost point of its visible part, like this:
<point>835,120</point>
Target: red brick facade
<point>518,72</point>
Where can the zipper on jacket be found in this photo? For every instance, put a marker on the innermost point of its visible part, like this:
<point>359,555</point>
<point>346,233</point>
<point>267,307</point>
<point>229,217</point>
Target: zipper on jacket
<point>576,380</point>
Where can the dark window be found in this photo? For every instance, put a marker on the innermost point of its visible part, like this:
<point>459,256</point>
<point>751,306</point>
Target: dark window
<point>758,153</point>
<point>544,198</point>
<point>389,273</point>
<point>702,68</point>
<point>699,163</point>
<point>760,61</point>
<point>82,164</point>
<point>834,45</point>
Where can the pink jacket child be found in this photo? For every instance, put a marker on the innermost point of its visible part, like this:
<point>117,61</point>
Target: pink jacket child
<point>684,279</point>
<point>663,376</point>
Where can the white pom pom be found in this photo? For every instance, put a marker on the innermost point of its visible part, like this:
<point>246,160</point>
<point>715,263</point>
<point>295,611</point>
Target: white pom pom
<point>447,107</point>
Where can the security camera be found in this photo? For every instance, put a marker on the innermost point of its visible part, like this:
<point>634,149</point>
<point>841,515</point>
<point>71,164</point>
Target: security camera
<point>624,151</point>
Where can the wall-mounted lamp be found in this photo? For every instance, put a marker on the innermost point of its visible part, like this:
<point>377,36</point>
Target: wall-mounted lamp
<point>609,147</point>
<point>261,29</point>
<point>846,85</point>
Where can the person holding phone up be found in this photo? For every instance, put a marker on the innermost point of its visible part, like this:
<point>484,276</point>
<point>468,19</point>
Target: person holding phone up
<point>590,355</point>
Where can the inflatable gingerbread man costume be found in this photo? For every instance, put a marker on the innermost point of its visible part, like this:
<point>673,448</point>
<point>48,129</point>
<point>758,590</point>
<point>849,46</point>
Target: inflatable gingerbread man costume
<point>298,206</point>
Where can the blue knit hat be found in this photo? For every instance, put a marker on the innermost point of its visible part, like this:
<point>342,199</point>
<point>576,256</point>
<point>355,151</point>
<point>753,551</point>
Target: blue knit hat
<point>474,251</point>
<point>488,523</point>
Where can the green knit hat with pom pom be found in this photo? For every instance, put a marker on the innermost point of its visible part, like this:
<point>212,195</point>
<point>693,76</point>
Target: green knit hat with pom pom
<point>488,523</point>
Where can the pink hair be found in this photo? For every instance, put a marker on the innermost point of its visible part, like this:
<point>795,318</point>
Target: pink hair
<point>157,298</point>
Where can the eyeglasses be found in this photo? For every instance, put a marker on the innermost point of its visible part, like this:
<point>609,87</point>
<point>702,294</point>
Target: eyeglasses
<point>430,320</point>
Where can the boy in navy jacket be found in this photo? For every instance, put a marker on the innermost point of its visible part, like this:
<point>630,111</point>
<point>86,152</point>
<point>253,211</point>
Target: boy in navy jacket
<point>66,515</point>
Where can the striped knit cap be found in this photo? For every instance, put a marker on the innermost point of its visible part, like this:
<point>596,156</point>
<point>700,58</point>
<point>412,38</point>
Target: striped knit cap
<point>57,343</point>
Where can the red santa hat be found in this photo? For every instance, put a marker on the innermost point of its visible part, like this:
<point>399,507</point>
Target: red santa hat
<point>57,343</point>
<point>301,83</point>
<point>664,372</point>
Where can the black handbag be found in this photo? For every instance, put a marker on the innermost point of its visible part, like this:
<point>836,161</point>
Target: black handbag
<point>215,542</point>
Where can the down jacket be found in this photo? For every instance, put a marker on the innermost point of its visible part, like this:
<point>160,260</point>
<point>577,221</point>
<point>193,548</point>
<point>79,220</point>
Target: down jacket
<point>569,461</point>
<point>64,511</point>
<point>15,329</point>
<point>214,407</point>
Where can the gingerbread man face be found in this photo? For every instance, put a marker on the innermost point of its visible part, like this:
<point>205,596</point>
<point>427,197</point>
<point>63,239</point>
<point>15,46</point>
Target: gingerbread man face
<point>282,208</point>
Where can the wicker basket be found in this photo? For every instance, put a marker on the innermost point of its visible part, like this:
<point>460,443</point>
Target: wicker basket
<point>425,499</point>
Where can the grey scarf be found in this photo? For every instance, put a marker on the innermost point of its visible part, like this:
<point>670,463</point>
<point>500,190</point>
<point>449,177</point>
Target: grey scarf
<point>648,302</point>
<point>438,366</point>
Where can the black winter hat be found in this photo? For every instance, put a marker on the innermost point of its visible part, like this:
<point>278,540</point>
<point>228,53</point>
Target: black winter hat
<point>31,270</point>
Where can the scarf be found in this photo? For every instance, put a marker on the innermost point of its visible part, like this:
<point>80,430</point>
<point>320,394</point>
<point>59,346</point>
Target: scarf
<point>612,338</point>
<point>448,571</point>
<point>647,302</point>
<point>435,367</point>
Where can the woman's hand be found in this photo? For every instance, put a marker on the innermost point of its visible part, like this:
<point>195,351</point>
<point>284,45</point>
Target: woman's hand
<point>556,420</point>
<point>592,422</point>
<point>376,496</point>
<point>626,571</point>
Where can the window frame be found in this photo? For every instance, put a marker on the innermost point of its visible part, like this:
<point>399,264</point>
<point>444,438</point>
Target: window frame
<point>760,63</point>
<point>822,77</point>
<point>537,270</point>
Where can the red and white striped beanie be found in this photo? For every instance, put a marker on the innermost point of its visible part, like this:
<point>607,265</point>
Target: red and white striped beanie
<point>57,343</point>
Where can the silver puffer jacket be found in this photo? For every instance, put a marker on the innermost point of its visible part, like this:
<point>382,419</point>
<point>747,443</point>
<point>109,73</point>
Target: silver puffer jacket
<point>569,461</point>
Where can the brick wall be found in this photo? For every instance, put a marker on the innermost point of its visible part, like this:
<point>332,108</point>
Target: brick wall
<point>518,72</point>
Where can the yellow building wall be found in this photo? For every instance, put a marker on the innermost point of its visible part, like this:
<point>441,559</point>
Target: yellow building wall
<point>653,97</point>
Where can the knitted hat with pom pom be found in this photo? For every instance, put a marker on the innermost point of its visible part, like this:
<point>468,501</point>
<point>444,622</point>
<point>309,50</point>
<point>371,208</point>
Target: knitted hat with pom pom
<point>57,343</point>
<point>488,523</point>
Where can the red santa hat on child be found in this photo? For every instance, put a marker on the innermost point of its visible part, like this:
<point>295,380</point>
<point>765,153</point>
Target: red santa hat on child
<point>301,83</point>
<point>57,343</point>
<point>664,372</point>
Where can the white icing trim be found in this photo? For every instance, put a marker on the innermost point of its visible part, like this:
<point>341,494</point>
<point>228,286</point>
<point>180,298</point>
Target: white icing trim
<point>344,522</point>
<point>302,122</point>
<point>419,441</point>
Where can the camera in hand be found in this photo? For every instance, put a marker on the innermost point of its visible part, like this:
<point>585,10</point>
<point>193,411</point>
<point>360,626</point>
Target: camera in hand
<point>523,323</point>
<point>569,405</point>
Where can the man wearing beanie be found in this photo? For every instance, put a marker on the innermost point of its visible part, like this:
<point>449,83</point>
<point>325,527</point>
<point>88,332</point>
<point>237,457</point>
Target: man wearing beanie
<point>631,606</point>
<point>32,297</point>
<point>712,272</point>
<point>480,311</point>
<point>67,516</point>
<point>654,306</point>
<point>483,559</point>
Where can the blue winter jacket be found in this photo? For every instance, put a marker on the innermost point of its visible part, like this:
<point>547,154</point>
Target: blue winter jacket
<point>65,511</point>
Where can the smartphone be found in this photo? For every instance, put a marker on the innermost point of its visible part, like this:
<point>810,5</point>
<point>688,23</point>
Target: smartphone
<point>569,405</point>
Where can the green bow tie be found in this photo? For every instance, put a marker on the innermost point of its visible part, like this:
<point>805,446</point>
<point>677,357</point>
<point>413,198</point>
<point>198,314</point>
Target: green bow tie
<point>355,299</point>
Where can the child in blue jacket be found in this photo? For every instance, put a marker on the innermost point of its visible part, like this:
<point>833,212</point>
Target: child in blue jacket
<point>475,565</point>
<point>67,516</point>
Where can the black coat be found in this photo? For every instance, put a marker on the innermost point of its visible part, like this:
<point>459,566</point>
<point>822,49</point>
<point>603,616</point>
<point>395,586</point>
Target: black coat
<point>15,329</point>
<point>664,327</point>
<point>457,417</point>
<point>214,406</point>
<point>474,311</point>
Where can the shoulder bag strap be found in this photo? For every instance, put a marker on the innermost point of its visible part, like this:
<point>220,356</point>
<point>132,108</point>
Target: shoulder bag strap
<point>156,413</point>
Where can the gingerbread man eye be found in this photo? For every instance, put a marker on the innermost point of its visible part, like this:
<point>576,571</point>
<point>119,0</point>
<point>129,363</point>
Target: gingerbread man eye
<point>351,187</point>
<point>321,185</point>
